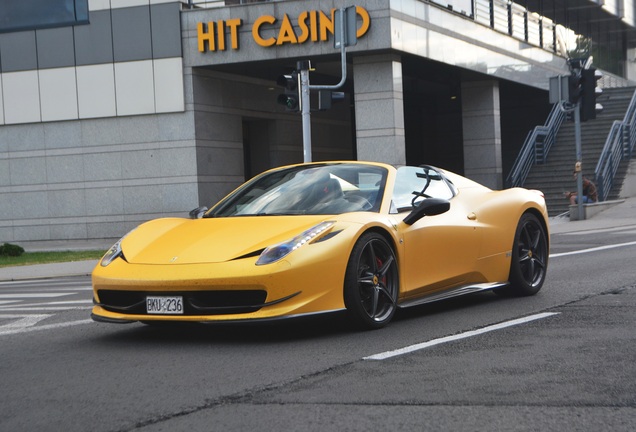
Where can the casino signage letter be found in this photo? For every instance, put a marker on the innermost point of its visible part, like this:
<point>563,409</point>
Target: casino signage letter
<point>312,26</point>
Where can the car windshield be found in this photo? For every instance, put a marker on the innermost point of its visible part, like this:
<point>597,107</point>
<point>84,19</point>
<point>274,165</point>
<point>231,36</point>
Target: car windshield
<point>307,190</point>
<point>414,184</point>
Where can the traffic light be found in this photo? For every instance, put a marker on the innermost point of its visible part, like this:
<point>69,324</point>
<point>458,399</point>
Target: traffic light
<point>589,107</point>
<point>575,86</point>
<point>291,98</point>
<point>326,98</point>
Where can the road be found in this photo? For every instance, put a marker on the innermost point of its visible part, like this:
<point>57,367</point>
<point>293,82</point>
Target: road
<point>571,368</point>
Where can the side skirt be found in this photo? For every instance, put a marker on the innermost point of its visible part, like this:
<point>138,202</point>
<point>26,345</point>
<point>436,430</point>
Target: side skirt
<point>454,292</point>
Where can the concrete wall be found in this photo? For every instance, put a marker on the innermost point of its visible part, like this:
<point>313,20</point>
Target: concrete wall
<point>94,136</point>
<point>380,109</point>
<point>628,190</point>
<point>94,178</point>
<point>482,132</point>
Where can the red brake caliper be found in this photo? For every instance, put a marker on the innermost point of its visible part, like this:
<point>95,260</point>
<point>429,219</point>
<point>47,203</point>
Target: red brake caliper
<point>379,264</point>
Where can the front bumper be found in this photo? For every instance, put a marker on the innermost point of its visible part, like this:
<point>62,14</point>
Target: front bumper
<point>231,291</point>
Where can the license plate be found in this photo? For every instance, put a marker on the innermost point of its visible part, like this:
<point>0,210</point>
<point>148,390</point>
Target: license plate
<point>164,305</point>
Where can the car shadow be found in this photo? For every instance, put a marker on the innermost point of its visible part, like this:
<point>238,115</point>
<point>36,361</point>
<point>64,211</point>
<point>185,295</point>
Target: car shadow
<point>270,332</point>
<point>453,304</point>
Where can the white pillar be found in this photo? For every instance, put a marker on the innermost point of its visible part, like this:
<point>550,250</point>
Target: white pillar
<point>481,124</point>
<point>379,109</point>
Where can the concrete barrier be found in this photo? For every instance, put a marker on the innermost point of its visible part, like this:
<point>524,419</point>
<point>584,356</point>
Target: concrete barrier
<point>590,210</point>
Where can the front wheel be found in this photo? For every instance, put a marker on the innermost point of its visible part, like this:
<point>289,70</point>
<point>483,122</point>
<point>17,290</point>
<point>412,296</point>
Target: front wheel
<point>371,282</point>
<point>529,257</point>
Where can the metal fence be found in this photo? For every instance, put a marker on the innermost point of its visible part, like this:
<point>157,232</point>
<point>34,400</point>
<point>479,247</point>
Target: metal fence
<point>618,146</point>
<point>518,22</point>
<point>536,147</point>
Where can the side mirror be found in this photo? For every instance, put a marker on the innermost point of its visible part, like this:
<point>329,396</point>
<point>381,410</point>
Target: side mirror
<point>198,212</point>
<point>428,207</point>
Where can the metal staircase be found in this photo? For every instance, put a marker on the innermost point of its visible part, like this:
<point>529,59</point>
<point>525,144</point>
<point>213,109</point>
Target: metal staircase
<point>554,176</point>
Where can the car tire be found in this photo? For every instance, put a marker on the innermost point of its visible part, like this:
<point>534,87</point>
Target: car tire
<point>371,282</point>
<point>529,257</point>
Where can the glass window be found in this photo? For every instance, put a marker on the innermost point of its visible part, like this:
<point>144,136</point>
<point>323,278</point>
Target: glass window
<point>307,189</point>
<point>38,14</point>
<point>414,184</point>
<point>465,7</point>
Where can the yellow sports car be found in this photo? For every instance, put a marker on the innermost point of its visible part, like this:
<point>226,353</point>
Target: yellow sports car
<point>361,237</point>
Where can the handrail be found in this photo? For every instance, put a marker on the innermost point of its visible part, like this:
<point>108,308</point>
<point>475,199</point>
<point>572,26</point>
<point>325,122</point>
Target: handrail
<point>619,145</point>
<point>524,161</point>
<point>555,119</point>
<point>536,147</point>
<point>609,160</point>
<point>630,133</point>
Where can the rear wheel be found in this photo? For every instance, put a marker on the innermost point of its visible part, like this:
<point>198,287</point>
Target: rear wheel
<point>529,257</point>
<point>371,282</point>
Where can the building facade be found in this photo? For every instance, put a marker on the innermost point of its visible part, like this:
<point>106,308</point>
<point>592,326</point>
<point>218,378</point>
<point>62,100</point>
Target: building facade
<point>126,110</point>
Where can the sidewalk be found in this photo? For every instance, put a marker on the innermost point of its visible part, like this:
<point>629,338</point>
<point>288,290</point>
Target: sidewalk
<point>39,271</point>
<point>621,215</point>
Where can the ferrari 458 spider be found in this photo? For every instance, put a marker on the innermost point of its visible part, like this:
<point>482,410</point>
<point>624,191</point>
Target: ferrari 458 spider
<point>365,238</point>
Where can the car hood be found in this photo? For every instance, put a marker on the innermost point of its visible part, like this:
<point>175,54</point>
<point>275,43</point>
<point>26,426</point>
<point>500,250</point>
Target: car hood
<point>213,240</point>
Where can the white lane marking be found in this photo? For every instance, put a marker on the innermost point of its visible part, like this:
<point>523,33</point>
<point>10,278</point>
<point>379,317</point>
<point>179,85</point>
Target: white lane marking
<point>6,302</point>
<point>596,249</point>
<point>394,353</point>
<point>46,281</point>
<point>53,303</point>
<point>23,321</point>
<point>43,327</point>
<point>31,285</point>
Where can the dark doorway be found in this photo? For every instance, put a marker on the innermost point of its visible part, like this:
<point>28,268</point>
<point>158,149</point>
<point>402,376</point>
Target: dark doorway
<point>432,114</point>
<point>522,108</point>
<point>256,148</point>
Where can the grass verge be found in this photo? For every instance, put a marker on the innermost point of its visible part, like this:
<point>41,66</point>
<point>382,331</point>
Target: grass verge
<point>29,258</point>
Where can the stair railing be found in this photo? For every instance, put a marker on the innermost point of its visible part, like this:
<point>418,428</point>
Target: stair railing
<point>619,145</point>
<point>536,147</point>
<point>610,159</point>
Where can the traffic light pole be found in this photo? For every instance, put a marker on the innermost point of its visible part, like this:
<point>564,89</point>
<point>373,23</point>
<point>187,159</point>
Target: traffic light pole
<point>575,109</point>
<point>305,109</point>
<point>305,87</point>
<point>579,161</point>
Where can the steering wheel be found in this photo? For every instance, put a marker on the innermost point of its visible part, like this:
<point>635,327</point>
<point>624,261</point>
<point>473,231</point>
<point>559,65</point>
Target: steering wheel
<point>360,201</point>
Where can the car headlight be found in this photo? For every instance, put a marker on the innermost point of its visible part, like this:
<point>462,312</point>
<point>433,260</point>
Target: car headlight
<point>281,250</point>
<point>113,253</point>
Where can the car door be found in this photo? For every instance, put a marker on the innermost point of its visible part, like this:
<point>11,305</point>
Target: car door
<point>439,252</point>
